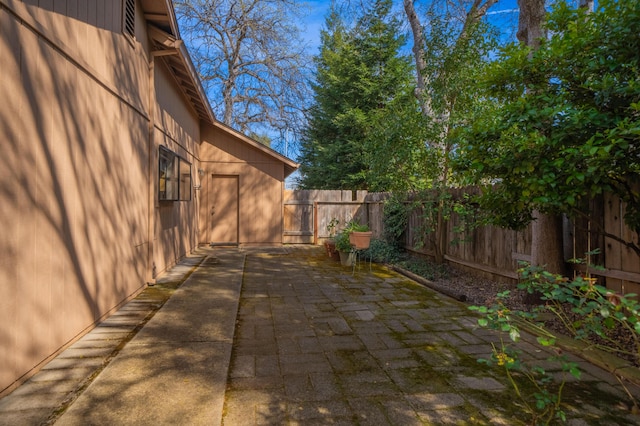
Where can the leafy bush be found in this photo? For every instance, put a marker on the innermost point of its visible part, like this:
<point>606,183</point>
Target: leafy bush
<point>395,219</point>
<point>381,251</point>
<point>342,241</point>
<point>587,312</point>
<point>542,398</point>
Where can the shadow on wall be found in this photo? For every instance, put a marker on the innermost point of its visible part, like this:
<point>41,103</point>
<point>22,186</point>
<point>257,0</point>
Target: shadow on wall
<point>74,190</point>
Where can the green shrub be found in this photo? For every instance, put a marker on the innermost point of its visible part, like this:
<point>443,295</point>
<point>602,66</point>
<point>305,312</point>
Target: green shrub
<point>342,241</point>
<point>395,219</point>
<point>381,251</point>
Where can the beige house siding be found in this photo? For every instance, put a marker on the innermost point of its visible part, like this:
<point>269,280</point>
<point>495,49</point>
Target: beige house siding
<point>77,183</point>
<point>88,34</point>
<point>177,128</point>
<point>260,179</point>
<point>84,110</point>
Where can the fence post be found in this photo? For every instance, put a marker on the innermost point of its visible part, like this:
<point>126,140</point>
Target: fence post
<point>315,223</point>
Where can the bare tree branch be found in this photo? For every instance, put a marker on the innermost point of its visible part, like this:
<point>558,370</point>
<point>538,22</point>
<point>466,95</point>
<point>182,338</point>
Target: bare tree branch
<point>250,58</point>
<point>473,17</point>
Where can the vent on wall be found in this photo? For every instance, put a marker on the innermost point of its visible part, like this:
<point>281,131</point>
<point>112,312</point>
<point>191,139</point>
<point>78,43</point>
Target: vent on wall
<point>130,18</point>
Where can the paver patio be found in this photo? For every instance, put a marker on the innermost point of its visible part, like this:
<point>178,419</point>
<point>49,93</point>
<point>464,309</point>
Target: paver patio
<point>315,344</point>
<point>288,336</point>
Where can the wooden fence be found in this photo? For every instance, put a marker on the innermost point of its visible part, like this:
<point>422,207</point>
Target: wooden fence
<point>490,251</point>
<point>308,213</point>
<point>622,264</point>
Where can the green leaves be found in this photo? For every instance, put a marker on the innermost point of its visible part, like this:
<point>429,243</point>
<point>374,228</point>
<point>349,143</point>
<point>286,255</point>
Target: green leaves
<point>565,124</point>
<point>541,398</point>
<point>586,309</point>
<point>546,340</point>
<point>362,98</point>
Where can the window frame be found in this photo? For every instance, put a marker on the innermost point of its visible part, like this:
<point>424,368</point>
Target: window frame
<point>175,181</point>
<point>185,181</point>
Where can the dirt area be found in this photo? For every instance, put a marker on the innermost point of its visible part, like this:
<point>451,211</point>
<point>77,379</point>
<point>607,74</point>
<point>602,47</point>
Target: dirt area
<point>474,290</point>
<point>478,291</point>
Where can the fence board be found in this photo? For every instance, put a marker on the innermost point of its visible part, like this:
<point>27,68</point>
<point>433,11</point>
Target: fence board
<point>489,249</point>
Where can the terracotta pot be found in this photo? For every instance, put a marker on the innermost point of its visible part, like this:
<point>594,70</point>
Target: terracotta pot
<point>330,247</point>
<point>360,240</point>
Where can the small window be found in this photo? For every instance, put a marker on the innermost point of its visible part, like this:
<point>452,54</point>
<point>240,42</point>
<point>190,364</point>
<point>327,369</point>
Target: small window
<point>185,181</point>
<point>129,18</point>
<point>174,177</point>
<point>168,168</point>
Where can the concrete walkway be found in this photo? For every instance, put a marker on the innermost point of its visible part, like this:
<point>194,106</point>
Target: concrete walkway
<point>287,336</point>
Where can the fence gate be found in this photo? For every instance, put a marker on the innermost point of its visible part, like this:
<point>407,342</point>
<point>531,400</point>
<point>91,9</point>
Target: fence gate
<point>308,213</point>
<point>298,221</point>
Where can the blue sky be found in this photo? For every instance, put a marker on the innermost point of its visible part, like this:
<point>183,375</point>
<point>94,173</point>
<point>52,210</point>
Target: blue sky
<point>315,20</point>
<point>503,14</point>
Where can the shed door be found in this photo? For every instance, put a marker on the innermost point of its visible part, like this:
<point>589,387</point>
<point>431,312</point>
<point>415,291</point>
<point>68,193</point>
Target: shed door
<point>223,210</point>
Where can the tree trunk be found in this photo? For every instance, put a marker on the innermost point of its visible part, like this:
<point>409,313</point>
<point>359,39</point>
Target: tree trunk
<point>418,54</point>
<point>440,235</point>
<point>477,10</point>
<point>547,247</point>
<point>530,30</point>
<point>587,4</point>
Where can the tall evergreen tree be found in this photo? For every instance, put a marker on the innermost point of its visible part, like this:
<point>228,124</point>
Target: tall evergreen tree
<point>359,75</point>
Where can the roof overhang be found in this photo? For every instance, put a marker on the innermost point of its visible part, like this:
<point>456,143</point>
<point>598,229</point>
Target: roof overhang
<point>174,53</point>
<point>160,13</point>
<point>290,166</point>
<point>167,45</point>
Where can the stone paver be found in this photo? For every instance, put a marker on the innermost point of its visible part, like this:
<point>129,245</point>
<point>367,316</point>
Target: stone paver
<point>373,348</point>
<point>288,336</point>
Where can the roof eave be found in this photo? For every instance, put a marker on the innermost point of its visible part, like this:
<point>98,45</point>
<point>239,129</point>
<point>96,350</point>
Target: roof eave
<point>167,44</point>
<point>174,53</point>
<point>290,166</point>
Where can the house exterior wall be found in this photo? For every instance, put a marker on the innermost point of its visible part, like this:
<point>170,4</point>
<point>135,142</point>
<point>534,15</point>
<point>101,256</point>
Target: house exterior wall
<point>177,128</point>
<point>260,179</point>
<point>82,230</point>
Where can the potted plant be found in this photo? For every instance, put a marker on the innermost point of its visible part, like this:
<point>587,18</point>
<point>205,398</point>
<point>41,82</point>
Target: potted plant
<point>359,236</point>
<point>330,243</point>
<point>343,245</point>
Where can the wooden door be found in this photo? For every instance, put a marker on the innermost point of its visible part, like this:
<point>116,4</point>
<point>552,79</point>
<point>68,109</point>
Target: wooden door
<point>223,210</point>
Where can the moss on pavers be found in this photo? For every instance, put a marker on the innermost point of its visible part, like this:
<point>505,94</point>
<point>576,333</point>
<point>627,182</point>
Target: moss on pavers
<point>425,344</point>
